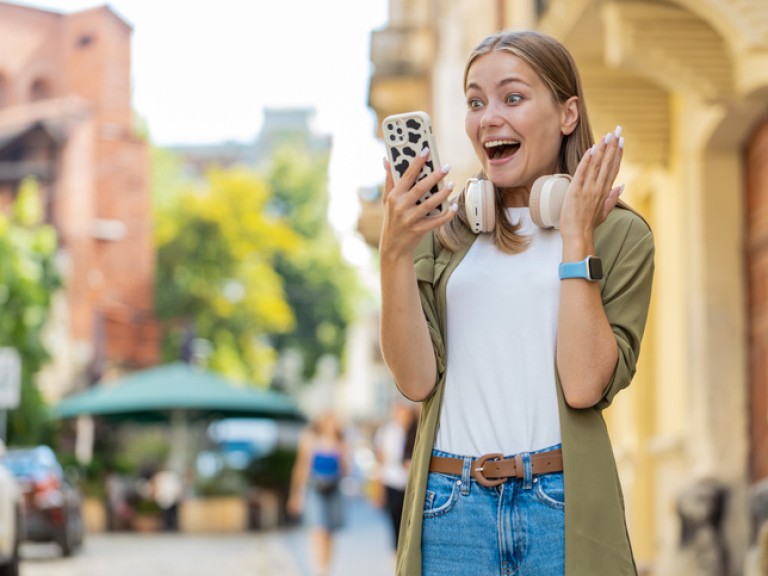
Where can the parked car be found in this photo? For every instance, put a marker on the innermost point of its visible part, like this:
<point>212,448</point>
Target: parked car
<point>11,526</point>
<point>52,505</point>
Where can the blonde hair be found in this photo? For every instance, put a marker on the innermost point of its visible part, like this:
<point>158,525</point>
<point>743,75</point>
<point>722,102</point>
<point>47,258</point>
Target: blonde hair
<point>556,67</point>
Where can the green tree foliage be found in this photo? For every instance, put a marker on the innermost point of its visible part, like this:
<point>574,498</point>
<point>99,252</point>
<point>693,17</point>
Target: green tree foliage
<point>166,179</point>
<point>28,280</point>
<point>217,245</point>
<point>267,243</point>
<point>320,285</point>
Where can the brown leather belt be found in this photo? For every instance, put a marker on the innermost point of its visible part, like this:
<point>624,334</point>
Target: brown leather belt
<point>493,469</point>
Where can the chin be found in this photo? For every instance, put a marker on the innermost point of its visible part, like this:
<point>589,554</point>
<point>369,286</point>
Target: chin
<point>503,176</point>
<point>508,183</point>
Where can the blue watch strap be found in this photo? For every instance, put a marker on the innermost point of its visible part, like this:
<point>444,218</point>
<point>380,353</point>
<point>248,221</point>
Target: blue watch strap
<point>590,269</point>
<point>574,270</point>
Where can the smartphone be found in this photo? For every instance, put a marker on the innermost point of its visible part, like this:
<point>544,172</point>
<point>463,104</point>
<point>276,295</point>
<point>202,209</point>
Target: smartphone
<point>405,136</point>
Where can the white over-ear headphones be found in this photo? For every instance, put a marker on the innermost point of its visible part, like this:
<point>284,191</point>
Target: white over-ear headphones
<point>546,202</point>
<point>480,205</point>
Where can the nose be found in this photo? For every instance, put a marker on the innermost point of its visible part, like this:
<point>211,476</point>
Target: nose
<point>491,115</point>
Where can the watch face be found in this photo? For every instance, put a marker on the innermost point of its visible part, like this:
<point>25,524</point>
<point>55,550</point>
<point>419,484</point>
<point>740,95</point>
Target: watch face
<point>595,268</point>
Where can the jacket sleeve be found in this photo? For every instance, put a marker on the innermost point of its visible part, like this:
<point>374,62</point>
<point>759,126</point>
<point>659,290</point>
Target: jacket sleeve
<point>427,272</point>
<point>627,247</point>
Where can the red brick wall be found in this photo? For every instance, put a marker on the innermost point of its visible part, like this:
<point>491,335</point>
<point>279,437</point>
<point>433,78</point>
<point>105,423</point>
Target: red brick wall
<point>103,172</point>
<point>30,49</point>
<point>98,48</point>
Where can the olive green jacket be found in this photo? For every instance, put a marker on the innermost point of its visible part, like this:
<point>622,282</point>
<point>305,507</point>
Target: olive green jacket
<point>596,539</point>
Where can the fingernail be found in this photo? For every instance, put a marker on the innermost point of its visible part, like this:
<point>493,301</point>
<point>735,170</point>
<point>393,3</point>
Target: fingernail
<point>609,137</point>
<point>454,207</point>
<point>621,142</point>
<point>592,150</point>
<point>617,132</point>
<point>449,185</point>
<point>446,168</point>
<point>621,190</point>
<point>424,152</point>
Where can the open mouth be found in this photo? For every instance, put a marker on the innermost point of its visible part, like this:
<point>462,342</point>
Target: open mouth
<point>501,148</point>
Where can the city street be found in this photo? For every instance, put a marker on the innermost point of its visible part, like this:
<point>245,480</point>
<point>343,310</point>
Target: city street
<point>364,542</point>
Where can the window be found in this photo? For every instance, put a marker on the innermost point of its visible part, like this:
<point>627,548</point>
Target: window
<point>541,8</point>
<point>85,40</point>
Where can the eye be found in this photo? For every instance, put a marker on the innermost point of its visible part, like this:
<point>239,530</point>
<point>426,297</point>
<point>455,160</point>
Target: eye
<point>514,99</point>
<point>474,104</point>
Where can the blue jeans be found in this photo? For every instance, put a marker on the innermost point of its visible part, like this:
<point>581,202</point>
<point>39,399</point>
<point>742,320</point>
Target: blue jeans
<point>516,528</point>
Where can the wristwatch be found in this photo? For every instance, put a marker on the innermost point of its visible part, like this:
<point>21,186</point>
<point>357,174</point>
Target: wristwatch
<point>591,268</point>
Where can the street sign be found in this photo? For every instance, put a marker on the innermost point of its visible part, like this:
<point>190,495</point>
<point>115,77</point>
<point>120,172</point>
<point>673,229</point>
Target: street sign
<point>10,378</point>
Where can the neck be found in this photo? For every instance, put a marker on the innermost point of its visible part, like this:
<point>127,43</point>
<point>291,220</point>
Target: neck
<point>516,197</point>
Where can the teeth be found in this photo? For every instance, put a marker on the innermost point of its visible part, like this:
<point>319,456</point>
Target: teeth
<point>495,143</point>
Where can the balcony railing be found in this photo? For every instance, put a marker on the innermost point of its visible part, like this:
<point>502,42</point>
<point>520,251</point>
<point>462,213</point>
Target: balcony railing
<point>16,171</point>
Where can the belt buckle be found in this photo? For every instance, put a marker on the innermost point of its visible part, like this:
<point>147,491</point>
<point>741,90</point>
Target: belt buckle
<point>477,471</point>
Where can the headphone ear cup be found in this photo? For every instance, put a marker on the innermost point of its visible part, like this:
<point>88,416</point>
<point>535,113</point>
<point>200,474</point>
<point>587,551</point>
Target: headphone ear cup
<point>480,205</point>
<point>534,201</point>
<point>546,201</point>
<point>488,203</point>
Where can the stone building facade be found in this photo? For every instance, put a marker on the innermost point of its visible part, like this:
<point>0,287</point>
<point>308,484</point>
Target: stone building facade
<point>66,119</point>
<point>281,127</point>
<point>688,81</point>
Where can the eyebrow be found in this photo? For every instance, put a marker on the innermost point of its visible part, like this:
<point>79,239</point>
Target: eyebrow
<point>503,82</point>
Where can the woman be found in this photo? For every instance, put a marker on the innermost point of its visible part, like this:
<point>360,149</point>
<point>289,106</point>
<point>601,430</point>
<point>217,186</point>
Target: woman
<point>321,464</point>
<point>513,470</point>
<point>391,445</point>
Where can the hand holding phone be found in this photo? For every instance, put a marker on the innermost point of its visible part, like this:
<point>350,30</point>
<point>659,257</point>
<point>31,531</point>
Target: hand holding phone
<point>405,136</point>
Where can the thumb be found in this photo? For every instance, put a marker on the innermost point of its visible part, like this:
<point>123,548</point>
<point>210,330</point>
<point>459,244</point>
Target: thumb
<point>389,182</point>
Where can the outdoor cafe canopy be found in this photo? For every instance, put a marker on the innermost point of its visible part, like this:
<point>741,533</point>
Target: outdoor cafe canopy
<point>174,394</point>
<point>156,393</point>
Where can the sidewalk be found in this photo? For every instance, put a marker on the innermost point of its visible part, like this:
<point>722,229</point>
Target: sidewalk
<point>362,546</point>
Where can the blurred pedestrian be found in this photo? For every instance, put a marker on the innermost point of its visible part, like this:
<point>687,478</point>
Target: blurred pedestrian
<point>390,445</point>
<point>117,499</point>
<point>167,490</point>
<point>321,464</point>
<point>513,335</point>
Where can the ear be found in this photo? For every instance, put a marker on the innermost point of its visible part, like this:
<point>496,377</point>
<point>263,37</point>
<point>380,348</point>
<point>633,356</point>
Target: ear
<point>569,117</point>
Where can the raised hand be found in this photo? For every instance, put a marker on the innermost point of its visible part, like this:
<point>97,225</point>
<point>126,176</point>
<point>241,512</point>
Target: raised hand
<point>591,195</point>
<point>405,221</point>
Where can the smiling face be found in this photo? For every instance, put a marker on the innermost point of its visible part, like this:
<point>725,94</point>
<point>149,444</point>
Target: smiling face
<point>514,122</point>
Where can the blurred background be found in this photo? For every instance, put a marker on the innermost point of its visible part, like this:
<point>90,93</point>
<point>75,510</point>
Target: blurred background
<point>196,187</point>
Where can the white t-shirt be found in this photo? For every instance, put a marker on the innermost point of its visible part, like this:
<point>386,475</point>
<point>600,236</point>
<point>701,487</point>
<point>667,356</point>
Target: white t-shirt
<point>167,488</point>
<point>500,391</point>
<point>390,442</point>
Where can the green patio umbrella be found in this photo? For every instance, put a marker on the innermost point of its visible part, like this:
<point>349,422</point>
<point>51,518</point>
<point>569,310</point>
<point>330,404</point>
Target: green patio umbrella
<point>154,393</point>
<point>177,393</point>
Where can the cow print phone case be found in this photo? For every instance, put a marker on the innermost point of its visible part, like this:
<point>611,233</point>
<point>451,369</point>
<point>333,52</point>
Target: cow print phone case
<point>405,135</point>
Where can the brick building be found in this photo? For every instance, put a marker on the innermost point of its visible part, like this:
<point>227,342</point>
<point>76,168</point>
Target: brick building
<point>66,119</point>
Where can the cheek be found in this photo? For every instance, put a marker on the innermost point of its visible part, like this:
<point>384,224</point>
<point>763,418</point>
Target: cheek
<point>471,128</point>
<point>547,136</point>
